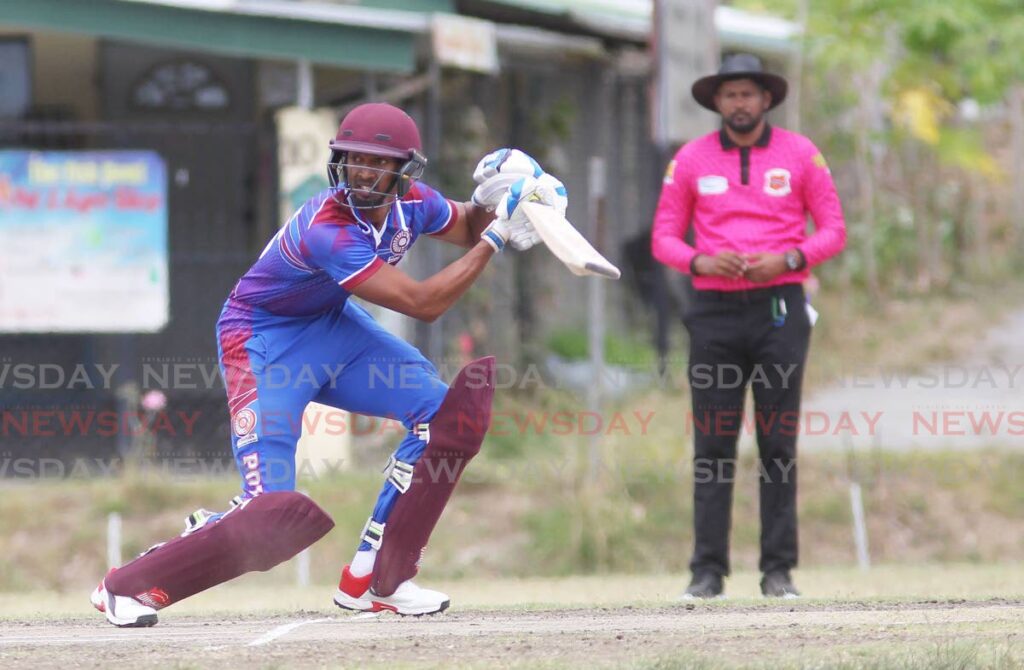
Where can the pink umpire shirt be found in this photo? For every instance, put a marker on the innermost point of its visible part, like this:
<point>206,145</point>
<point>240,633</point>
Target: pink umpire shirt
<point>748,201</point>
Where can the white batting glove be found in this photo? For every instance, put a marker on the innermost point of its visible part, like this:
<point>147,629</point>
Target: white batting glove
<point>511,224</point>
<point>549,191</point>
<point>497,234</point>
<point>523,237</point>
<point>506,161</point>
<point>497,171</point>
<point>522,234</point>
<point>554,192</point>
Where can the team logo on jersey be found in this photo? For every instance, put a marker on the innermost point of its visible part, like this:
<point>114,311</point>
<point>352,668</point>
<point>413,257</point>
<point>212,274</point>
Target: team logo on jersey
<point>244,422</point>
<point>248,439</point>
<point>712,184</point>
<point>776,182</point>
<point>400,242</point>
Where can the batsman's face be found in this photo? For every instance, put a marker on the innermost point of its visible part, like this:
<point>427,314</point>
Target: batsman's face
<point>371,178</point>
<point>742,104</point>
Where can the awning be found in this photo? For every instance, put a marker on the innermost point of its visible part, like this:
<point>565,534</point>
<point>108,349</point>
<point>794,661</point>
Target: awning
<point>755,32</point>
<point>630,20</point>
<point>347,36</point>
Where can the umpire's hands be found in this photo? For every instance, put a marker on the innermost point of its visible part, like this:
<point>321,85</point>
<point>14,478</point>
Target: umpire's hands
<point>764,267</point>
<point>723,264</point>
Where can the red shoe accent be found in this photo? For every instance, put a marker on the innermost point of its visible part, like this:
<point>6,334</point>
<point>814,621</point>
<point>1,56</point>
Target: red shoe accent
<point>381,607</point>
<point>102,607</point>
<point>156,598</point>
<point>354,586</point>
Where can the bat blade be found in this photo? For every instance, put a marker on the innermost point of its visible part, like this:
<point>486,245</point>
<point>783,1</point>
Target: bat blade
<point>567,244</point>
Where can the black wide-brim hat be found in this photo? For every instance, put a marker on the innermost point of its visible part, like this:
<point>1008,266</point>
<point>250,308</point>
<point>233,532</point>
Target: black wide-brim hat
<point>739,66</point>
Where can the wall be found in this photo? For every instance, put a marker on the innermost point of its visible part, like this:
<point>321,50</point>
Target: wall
<point>63,73</point>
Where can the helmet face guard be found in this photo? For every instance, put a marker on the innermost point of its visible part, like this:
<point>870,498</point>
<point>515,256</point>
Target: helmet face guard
<point>378,129</point>
<point>402,179</point>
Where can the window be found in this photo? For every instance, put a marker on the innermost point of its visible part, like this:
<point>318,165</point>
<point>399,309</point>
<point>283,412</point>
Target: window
<point>15,77</point>
<point>180,86</point>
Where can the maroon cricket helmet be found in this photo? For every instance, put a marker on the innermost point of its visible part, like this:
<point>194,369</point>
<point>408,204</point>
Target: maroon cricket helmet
<point>382,130</point>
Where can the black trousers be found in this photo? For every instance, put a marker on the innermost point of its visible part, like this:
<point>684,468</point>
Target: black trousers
<point>756,338</point>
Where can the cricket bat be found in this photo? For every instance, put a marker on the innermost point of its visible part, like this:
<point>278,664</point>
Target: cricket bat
<point>566,243</point>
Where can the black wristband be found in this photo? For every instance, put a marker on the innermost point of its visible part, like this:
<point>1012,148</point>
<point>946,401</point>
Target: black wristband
<point>693,265</point>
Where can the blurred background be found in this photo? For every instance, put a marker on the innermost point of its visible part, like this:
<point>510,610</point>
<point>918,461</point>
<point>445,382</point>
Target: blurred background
<point>150,148</point>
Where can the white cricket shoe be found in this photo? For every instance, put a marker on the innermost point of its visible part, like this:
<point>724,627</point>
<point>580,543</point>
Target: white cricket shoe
<point>408,599</point>
<point>122,611</point>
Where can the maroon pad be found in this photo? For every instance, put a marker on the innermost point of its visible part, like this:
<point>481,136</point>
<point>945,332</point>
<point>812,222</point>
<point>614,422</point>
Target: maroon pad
<point>267,530</point>
<point>456,432</point>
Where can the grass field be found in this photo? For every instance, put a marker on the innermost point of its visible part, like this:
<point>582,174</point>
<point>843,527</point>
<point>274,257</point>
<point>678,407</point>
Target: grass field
<point>941,524</point>
<point>939,507</point>
<point>927,616</point>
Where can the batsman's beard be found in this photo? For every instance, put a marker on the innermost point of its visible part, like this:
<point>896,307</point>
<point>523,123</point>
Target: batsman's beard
<point>367,201</point>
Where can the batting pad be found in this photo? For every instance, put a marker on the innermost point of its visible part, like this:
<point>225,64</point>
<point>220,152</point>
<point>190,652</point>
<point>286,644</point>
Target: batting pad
<point>455,435</point>
<point>261,533</point>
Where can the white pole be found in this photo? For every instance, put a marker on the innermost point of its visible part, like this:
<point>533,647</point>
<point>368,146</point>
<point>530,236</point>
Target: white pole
<point>113,540</point>
<point>860,532</point>
<point>595,311</point>
<point>302,568</point>
<point>302,562</point>
<point>305,94</point>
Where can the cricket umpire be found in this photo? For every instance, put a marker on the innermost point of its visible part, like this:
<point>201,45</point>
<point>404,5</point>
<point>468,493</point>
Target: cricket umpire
<point>746,191</point>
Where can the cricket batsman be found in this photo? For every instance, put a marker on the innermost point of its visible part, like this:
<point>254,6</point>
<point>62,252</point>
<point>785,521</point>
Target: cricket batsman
<point>291,312</point>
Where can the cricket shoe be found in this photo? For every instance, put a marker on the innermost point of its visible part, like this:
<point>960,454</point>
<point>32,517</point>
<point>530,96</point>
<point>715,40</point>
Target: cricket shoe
<point>354,593</point>
<point>122,611</point>
<point>98,597</point>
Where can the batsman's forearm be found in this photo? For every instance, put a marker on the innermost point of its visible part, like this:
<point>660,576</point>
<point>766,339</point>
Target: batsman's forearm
<point>477,220</point>
<point>440,291</point>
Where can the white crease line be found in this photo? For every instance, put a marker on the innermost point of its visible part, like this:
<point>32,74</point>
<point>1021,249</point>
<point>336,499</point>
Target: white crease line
<point>272,635</point>
<point>136,635</point>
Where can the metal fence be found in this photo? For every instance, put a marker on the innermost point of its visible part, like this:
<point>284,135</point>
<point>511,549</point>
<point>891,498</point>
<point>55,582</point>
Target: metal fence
<point>218,214</point>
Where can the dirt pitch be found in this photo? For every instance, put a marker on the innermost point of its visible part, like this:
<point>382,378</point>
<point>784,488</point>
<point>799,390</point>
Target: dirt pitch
<point>904,616</point>
<point>720,634</point>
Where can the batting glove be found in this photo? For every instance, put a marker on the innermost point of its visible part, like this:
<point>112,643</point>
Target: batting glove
<point>511,224</point>
<point>549,191</point>
<point>554,192</point>
<point>522,234</point>
<point>497,234</point>
<point>497,171</point>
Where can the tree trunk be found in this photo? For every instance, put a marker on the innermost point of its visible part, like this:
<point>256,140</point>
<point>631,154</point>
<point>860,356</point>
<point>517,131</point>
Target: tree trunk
<point>866,181</point>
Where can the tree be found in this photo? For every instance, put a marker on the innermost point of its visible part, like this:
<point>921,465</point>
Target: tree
<point>905,94</point>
